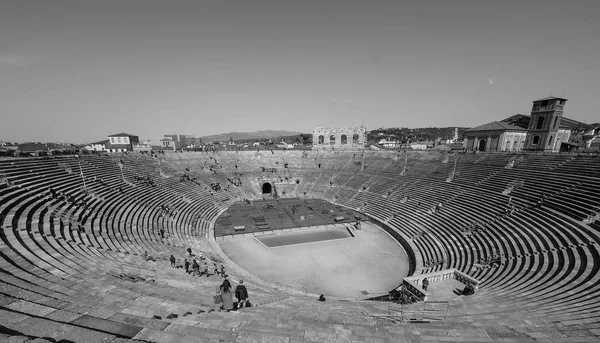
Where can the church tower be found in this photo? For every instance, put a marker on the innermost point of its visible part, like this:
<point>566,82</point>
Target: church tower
<point>546,115</point>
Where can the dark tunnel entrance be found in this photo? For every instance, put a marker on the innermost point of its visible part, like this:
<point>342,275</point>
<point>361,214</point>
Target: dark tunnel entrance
<point>266,188</point>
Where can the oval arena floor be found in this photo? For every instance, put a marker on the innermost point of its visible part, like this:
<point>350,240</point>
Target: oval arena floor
<point>369,261</point>
<point>72,266</point>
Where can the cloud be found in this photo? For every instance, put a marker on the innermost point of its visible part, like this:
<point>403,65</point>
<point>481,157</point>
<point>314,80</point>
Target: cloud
<point>14,60</point>
<point>491,81</point>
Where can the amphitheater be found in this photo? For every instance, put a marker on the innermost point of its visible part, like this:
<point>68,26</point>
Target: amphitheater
<point>73,272</point>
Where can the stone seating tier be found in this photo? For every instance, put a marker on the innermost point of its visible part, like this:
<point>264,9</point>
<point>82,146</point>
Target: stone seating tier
<point>59,279</point>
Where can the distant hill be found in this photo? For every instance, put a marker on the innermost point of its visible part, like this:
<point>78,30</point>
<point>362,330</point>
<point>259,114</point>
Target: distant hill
<point>416,134</point>
<point>239,136</point>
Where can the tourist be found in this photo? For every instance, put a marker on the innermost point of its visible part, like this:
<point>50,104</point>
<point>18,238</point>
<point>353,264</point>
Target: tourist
<point>425,284</point>
<point>186,263</point>
<point>196,268</point>
<point>226,295</point>
<point>223,270</point>
<point>241,293</point>
<point>172,259</point>
<point>469,289</point>
<point>216,269</point>
<point>321,297</point>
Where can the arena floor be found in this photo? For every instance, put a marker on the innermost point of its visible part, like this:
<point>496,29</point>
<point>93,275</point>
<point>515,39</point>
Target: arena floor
<point>371,260</point>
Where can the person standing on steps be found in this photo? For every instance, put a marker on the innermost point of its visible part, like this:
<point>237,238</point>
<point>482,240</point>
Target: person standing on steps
<point>187,266</point>
<point>226,295</point>
<point>425,284</point>
<point>241,293</point>
<point>172,259</point>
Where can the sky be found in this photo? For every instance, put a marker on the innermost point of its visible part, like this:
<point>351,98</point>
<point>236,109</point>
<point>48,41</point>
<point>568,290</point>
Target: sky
<point>78,71</point>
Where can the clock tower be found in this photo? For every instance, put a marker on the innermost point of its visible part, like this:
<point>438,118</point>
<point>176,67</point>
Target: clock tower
<point>544,122</point>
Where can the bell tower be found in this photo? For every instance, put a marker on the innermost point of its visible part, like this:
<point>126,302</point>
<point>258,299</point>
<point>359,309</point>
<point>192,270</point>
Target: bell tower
<point>546,115</point>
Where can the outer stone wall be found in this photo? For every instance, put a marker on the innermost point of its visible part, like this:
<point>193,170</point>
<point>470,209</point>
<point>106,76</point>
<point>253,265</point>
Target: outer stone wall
<point>343,138</point>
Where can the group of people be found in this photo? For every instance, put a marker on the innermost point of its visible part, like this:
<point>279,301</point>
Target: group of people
<point>541,201</point>
<point>225,296</point>
<point>236,181</point>
<point>145,180</point>
<point>468,290</point>
<point>187,177</point>
<point>198,266</point>
<point>167,211</point>
<point>433,263</point>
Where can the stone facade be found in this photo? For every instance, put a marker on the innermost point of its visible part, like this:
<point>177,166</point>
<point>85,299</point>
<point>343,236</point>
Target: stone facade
<point>343,138</point>
<point>546,116</point>
<point>495,140</point>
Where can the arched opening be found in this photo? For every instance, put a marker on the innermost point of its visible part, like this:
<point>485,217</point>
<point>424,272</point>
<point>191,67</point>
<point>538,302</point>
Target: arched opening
<point>344,139</point>
<point>550,140</point>
<point>321,139</point>
<point>536,140</point>
<point>516,145</point>
<point>355,139</point>
<point>557,144</point>
<point>266,188</point>
<point>507,146</point>
<point>540,123</point>
<point>332,140</point>
<point>482,144</point>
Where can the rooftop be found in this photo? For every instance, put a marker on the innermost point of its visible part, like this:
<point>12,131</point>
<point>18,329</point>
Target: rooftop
<point>497,125</point>
<point>122,134</point>
<point>550,98</point>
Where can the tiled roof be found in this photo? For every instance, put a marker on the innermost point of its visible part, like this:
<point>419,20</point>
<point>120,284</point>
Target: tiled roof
<point>549,98</point>
<point>122,134</point>
<point>101,142</point>
<point>520,120</point>
<point>567,123</point>
<point>495,126</point>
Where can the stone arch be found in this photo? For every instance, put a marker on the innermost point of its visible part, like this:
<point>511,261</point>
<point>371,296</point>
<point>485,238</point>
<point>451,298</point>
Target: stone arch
<point>338,137</point>
<point>482,145</point>
<point>267,188</point>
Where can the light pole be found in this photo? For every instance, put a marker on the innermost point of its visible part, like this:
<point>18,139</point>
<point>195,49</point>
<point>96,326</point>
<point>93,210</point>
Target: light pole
<point>81,172</point>
<point>405,162</point>
<point>122,176</point>
<point>451,177</point>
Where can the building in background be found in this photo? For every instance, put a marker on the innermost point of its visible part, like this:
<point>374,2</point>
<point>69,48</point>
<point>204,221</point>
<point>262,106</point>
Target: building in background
<point>168,143</point>
<point>99,146</point>
<point>179,141</point>
<point>122,142</point>
<point>506,135</point>
<point>544,130</point>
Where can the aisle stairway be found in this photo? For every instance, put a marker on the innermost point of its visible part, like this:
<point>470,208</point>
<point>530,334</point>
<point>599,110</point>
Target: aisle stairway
<point>62,247</point>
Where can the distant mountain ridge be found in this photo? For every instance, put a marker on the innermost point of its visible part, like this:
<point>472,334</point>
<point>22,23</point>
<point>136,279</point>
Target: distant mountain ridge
<point>261,134</point>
